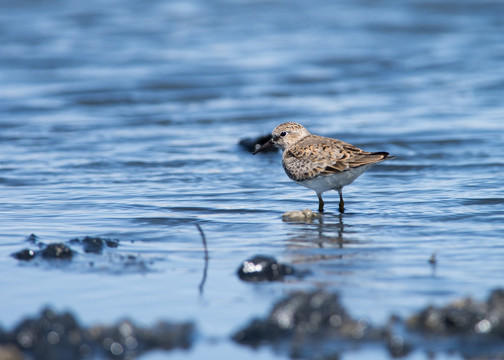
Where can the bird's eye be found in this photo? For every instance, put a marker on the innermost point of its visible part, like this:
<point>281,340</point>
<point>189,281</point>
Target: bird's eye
<point>283,133</point>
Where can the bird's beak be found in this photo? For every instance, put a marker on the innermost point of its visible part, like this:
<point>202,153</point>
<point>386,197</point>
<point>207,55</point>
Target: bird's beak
<point>264,146</point>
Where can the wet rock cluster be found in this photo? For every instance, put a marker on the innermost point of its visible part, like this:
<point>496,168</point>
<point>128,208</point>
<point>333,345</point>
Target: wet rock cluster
<point>303,314</point>
<point>96,244</point>
<point>58,336</point>
<point>63,254</point>
<point>310,324</point>
<point>315,324</point>
<point>463,317</point>
<point>57,251</point>
<point>61,251</point>
<point>261,268</point>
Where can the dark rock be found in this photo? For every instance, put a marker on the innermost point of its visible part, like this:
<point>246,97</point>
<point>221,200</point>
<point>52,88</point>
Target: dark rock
<point>263,268</point>
<point>24,255</point>
<point>397,345</point>
<point>49,336</point>
<point>112,243</point>
<point>113,262</point>
<point>32,238</point>
<point>252,144</point>
<point>95,245</point>
<point>57,251</point>
<point>465,316</point>
<point>54,336</point>
<point>316,325</point>
<point>126,338</point>
<point>304,317</point>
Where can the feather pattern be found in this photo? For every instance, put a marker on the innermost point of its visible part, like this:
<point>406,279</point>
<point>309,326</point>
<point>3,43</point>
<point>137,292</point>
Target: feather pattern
<point>315,155</point>
<point>320,163</point>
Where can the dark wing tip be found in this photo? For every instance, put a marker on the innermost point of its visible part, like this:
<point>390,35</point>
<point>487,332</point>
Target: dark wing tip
<point>384,154</point>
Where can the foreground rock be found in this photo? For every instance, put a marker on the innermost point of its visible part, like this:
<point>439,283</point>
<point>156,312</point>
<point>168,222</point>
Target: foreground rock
<point>316,325</point>
<point>312,324</point>
<point>58,336</point>
<point>464,317</point>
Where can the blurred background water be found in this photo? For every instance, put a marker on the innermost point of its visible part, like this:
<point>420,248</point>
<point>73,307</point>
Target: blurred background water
<point>122,119</point>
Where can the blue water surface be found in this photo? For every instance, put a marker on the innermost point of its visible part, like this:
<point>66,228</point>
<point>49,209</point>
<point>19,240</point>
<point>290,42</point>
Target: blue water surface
<point>122,119</point>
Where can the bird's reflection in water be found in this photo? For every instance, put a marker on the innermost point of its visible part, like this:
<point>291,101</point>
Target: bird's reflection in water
<point>320,240</point>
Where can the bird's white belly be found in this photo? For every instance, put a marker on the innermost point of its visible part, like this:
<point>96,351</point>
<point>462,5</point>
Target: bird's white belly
<point>335,181</point>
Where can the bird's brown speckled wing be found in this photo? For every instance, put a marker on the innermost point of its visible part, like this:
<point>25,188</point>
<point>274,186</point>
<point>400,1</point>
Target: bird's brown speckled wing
<point>317,155</point>
<point>311,156</point>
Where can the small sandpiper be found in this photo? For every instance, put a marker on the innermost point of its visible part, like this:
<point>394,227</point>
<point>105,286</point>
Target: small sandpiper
<point>320,163</point>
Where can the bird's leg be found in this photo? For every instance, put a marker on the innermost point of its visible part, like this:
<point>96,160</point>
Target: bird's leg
<point>320,203</point>
<point>341,202</point>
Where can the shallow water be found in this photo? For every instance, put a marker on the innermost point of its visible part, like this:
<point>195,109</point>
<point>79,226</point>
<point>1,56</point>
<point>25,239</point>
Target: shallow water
<point>123,120</point>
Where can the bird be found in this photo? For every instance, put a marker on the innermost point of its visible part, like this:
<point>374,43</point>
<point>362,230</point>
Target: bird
<point>320,163</point>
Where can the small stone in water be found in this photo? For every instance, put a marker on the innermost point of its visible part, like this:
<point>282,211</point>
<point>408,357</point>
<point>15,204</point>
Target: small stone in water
<point>305,215</point>
<point>263,268</point>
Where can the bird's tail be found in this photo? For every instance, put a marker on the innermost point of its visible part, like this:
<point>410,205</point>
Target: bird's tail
<point>384,155</point>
